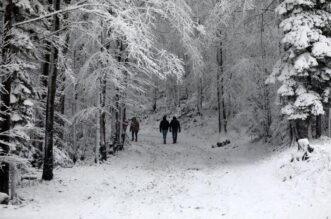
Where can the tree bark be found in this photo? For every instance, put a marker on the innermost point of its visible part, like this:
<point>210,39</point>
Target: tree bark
<point>318,126</point>
<point>302,127</point>
<point>309,128</point>
<point>200,94</point>
<point>223,106</point>
<point>49,127</point>
<point>97,138</point>
<point>103,87</point>
<point>267,120</point>
<point>218,80</point>
<point>97,134</point>
<point>293,132</point>
<point>117,117</point>
<point>4,176</point>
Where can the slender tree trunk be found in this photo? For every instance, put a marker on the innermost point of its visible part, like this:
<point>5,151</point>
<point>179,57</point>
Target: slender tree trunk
<point>223,107</point>
<point>155,99</point>
<point>13,181</point>
<point>5,121</point>
<point>121,141</point>
<point>74,110</point>
<point>45,68</point>
<point>201,94</point>
<point>49,127</point>
<point>309,128</point>
<point>219,84</point>
<point>117,116</point>
<point>97,139</point>
<point>4,176</point>
<point>178,92</point>
<point>97,134</point>
<point>103,87</point>
<point>219,105</point>
<point>293,132</point>
<point>267,120</point>
<point>318,126</point>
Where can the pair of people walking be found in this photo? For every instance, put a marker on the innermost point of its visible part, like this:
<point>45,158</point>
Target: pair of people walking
<point>173,126</point>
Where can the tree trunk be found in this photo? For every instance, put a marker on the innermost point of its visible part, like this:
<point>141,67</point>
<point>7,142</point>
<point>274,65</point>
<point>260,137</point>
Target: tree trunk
<point>4,176</point>
<point>302,127</point>
<point>103,87</point>
<point>49,127</point>
<point>223,106</point>
<point>13,181</point>
<point>201,94</point>
<point>318,126</point>
<point>309,128</point>
<point>117,116</point>
<point>97,139</point>
<point>178,92</point>
<point>5,121</point>
<point>155,100</point>
<point>219,81</point>
<point>267,120</point>
<point>74,110</point>
<point>45,69</point>
<point>97,134</point>
<point>293,132</point>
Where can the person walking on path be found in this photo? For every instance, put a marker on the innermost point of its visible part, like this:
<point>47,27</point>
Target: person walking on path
<point>134,128</point>
<point>174,128</point>
<point>164,126</point>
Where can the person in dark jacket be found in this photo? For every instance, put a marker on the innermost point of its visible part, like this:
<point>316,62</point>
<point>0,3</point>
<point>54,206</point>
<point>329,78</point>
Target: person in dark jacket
<point>164,127</point>
<point>174,128</point>
<point>134,128</point>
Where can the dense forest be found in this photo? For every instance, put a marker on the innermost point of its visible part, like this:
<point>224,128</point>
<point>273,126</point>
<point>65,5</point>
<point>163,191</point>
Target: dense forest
<point>74,73</point>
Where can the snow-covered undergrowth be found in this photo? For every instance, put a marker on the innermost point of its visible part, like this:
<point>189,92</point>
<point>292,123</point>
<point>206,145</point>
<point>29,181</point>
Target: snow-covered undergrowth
<point>310,178</point>
<point>187,180</point>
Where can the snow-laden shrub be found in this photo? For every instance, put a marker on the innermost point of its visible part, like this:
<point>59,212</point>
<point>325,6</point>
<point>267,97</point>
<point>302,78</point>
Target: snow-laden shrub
<point>61,158</point>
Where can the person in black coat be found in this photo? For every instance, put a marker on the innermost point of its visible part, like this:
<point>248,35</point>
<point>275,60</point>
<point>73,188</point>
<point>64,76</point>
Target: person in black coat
<point>174,128</point>
<point>164,127</point>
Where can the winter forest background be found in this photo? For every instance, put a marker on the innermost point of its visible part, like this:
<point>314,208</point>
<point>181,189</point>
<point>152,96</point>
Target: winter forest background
<point>257,73</point>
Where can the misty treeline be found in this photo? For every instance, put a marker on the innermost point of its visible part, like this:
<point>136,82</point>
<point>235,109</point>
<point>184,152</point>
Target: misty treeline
<point>73,71</point>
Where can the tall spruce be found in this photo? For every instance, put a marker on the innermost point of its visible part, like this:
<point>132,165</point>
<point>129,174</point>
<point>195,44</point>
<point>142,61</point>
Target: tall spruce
<point>304,70</point>
<point>18,67</point>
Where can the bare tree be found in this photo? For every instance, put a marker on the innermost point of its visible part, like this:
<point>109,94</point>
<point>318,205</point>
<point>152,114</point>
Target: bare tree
<point>50,108</point>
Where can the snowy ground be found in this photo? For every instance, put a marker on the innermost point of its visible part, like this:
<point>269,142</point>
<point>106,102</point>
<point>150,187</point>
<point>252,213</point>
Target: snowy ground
<point>186,180</point>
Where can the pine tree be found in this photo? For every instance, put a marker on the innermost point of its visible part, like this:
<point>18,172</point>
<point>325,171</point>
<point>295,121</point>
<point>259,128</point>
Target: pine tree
<point>18,66</point>
<point>304,71</point>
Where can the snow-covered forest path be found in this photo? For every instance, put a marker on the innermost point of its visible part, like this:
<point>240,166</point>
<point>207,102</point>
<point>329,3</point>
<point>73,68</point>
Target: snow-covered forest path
<point>185,180</point>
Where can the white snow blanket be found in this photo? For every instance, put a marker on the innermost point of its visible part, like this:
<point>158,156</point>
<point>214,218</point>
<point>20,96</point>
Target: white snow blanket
<point>184,180</point>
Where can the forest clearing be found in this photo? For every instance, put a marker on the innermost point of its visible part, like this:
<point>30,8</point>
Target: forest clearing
<point>165,109</point>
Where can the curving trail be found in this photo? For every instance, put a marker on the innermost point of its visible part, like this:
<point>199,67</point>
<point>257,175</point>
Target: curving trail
<point>185,180</point>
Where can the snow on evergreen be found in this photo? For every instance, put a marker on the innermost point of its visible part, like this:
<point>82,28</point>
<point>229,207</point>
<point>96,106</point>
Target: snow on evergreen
<point>303,67</point>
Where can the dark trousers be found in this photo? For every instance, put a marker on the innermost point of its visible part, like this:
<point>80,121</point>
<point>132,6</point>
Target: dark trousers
<point>174,136</point>
<point>164,133</point>
<point>134,134</point>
